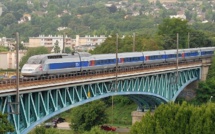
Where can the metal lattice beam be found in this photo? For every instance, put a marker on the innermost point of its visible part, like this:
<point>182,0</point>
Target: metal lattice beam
<point>146,90</point>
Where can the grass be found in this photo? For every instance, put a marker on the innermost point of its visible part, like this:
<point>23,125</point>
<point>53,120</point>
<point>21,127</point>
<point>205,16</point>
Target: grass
<point>121,114</point>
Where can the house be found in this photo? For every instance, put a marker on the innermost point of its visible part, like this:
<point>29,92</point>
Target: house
<point>7,42</point>
<point>9,59</point>
<point>26,17</point>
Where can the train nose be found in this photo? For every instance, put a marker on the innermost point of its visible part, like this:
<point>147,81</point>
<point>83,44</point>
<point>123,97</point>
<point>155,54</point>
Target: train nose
<point>29,69</point>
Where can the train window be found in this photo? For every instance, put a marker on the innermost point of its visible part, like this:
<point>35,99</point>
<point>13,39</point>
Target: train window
<point>34,61</point>
<point>54,56</point>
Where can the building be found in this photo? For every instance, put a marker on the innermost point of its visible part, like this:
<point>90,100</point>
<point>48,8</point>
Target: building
<point>8,59</point>
<point>50,41</point>
<point>182,16</point>
<point>7,42</point>
<point>88,42</point>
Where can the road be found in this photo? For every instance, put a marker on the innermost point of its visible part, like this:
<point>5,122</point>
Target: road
<point>65,125</point>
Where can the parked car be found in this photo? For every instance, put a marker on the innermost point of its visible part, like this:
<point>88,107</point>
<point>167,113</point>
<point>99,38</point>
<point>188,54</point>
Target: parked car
<point>108,128</point>
<point>50,125</point>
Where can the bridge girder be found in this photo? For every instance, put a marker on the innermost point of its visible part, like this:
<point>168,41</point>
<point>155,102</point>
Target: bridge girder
<point>146,90</point>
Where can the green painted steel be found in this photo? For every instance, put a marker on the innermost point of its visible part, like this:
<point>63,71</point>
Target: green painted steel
<point>146,90</point>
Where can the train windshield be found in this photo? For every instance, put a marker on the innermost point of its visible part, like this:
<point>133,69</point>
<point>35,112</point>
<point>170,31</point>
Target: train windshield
<point>34,61</point>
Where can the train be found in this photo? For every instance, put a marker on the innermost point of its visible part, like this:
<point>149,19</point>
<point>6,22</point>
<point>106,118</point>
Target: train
<point>62,63</point>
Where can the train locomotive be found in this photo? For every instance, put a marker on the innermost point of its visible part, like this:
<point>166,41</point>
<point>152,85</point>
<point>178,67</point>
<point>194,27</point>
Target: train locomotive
<point>55,64</point>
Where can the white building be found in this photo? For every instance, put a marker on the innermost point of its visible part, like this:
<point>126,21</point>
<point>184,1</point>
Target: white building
<point>182,16</point>
<point>49,41</point>
<point>8,59</point>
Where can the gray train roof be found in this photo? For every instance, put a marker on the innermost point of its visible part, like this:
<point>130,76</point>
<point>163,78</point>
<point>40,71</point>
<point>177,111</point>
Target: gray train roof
<point>45,55</point>
<point>76,54</point>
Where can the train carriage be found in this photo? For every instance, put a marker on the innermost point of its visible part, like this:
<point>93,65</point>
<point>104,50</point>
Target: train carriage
<point>130,59</point>
<point>54,64</point>
<point>154,57</point>
<point>207,51</point>
<point>171,55</point>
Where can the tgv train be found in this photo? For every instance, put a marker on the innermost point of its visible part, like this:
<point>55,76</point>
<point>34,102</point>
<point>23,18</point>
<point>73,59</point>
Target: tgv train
<point>53,64</point>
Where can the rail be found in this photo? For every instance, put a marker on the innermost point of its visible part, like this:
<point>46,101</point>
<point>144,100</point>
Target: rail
<point>27,82</point>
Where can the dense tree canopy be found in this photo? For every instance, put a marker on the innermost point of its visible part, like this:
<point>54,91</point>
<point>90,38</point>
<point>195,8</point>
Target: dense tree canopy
<point>5,125</point>
<point>178,119</point>
<point>88,116</point>
<point>169,29</point>
<point>206,88</point>
<point>125,44</point>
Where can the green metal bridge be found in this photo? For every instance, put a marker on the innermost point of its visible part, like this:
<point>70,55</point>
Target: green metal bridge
<point>148,90</point>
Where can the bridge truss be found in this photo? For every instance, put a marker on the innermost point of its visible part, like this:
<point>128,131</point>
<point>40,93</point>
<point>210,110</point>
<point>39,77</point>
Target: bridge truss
<point>147,90</point>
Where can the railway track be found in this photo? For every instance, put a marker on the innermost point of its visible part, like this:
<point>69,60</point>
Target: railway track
<point>11,84</point>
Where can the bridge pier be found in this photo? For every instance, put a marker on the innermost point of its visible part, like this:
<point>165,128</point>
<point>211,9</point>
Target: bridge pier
<point>138,115</point>
<point>188,93</point>
<point>205,66</point>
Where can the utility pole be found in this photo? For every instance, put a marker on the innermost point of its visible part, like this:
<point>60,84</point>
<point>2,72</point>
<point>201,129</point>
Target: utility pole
<point>117,42</point>
<point>17,74</point>
<point>116,81</point>
<point>188,40</point>
<point>177,60</point>
<point>63,51</point>
<point>133,42</point>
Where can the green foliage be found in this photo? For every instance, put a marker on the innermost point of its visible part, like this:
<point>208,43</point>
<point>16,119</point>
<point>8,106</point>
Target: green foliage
<point>120,112</point>
<point>125,44</point>
<point>56,47</point>
<point>87,116</point>
<point>199,39</point>
<point>97,130</point>
<point>169,29</point>
<point>31,52</point>
<point>5,125</point>
<point>179,119</point>
<point>206,88</point>
<point>68,50</point>
<point>40,130</point>
<point>43,130</point>
<point>3,49</point>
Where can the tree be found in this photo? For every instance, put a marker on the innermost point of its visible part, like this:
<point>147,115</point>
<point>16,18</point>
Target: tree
<point>56,47</point>
<point>97,130</point>
<point>180,119</point>
<point>206,88</point>
<point>142,43</point>
<point>3,49</point>
<point>68,50</point>
<point>112,8</point>
<point>31,52</point>
<point>7,19</point>
<point>87,116</point>
<point>5,125</point>
<point>169,29</point>
<point>199,39</point>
